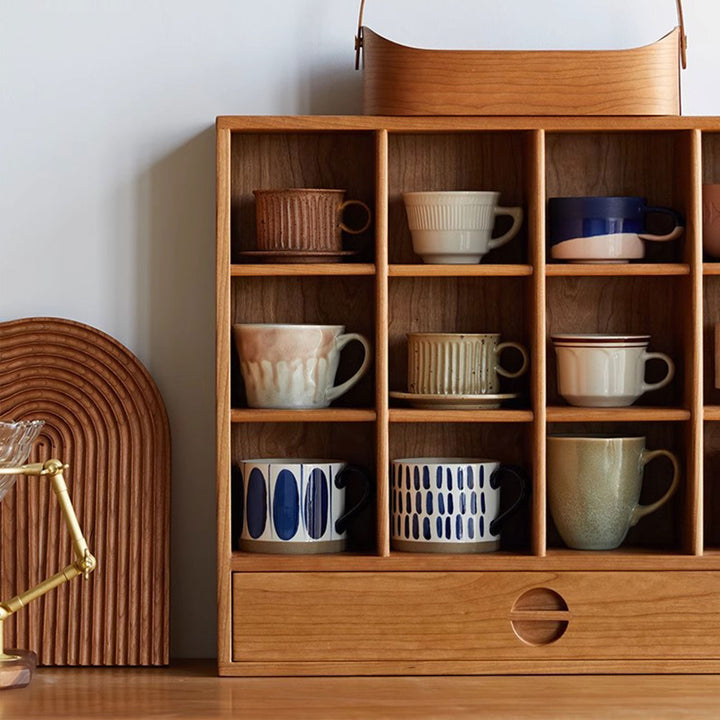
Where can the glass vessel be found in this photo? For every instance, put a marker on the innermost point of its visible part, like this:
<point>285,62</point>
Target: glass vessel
<point>16,439</point>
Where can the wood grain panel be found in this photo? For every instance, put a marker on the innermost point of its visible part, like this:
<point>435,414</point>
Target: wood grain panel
<point>418,616</point>
<point>104,416</point>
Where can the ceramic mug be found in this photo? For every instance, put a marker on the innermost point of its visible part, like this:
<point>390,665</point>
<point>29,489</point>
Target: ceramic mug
<point>297,505</point>
<point>711,219</point>
<point>594,486</point>
<point>458,363</point>
<point>294,366</point>
<point>603,229</point>
<point>455,227</point>
<point>450,504</point>
<point>304,219</point>
<point>605,370</point>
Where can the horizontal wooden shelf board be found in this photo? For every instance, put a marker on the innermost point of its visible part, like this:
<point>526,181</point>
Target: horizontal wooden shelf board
<point>301,269</point>
<point>711,412</point>
<point>350,123</point>
<point>555,560</point>
<point>252,415</point>
<point>600,269</point>
<point>508,270</point>
<point>711,268</point>
<point>626,414</point>
<point>410,415</point>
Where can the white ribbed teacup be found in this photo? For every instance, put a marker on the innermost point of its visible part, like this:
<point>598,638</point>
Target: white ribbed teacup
<point>458,363</point>
<point>455,227</point>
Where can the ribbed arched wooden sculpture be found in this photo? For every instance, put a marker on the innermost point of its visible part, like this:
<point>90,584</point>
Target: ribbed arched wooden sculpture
<point>104,417</point>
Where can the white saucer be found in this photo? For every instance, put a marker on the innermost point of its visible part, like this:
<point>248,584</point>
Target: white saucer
<point>453,402</point>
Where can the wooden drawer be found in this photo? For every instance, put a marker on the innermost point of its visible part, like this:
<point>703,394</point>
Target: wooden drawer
<point>469,616</point>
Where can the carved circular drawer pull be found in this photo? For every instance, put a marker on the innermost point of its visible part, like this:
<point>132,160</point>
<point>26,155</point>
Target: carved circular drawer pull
<point>540,616</point>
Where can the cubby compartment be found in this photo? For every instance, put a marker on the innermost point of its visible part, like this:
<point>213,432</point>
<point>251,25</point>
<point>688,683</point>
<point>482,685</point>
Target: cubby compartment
<point>658,306</point>
<point>488,161</point>
<point>711,176</point>
<point>327,300</point>
<point>330,160</point>
<point>711,485</point>
<point>508,443</point>
<point>460,305</point>
<point>351,442</point>
<point>652,165</point>
<point>662,531</point>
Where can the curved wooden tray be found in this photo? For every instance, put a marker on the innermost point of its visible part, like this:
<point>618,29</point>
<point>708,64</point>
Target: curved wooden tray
<point>401,80</point>
<point>104,417</point>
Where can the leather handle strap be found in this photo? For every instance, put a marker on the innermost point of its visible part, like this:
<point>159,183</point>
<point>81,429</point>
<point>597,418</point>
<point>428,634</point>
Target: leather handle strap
<point>359,36</point>
<point>683,36</point>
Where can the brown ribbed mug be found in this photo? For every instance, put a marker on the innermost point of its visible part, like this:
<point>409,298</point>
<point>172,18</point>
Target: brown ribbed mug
<point>304,219</point>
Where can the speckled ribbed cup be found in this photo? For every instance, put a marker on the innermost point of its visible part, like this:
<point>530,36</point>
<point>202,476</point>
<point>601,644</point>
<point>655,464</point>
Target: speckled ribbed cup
<point>594,485</point>
<point>458,363</point>
<point>303,219</point>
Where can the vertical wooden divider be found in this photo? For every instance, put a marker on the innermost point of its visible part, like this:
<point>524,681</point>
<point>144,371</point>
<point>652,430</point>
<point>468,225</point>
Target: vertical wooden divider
<point>382,425</point>
<point>222,397</point>
<point>535,183</point>
<point>691,173</point>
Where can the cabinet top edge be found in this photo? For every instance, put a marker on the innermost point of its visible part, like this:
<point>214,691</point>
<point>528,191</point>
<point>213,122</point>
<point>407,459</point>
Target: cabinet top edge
<point>310,123</point>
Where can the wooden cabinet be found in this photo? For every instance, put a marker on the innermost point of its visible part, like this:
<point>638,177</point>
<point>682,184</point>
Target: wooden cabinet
<point>533,606</point>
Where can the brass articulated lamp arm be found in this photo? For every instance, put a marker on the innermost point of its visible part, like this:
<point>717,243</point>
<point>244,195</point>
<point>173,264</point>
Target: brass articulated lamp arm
<point>84,562</point>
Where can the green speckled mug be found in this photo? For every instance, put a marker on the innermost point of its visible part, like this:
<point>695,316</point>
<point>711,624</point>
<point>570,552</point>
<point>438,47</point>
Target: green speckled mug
<point>594,485</point>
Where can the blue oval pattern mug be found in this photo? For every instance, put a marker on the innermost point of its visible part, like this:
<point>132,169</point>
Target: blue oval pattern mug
<point>450,505</point>
<point>297,505</point>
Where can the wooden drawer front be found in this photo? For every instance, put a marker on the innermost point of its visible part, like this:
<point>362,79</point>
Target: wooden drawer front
<point>468,616</point>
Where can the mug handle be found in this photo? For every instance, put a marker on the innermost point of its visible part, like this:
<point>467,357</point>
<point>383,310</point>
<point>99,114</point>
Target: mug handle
<point>519,474</point>
<point>342,341</point>
<point>670,373</point>
<point>676,232</point>
<point>341,482</point>
<point>344,227</point>
<point>516,213</point>
<point>521,350</point>
<point>640,511</point>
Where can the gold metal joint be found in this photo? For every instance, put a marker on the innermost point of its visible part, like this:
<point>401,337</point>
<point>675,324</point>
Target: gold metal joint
<point>87,564</point>
<point>54,467</point>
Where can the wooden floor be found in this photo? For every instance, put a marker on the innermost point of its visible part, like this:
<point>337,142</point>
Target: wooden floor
<point>192,690</point>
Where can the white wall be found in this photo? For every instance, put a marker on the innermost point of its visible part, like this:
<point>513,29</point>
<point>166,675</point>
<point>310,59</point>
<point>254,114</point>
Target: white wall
<point>107,170</point>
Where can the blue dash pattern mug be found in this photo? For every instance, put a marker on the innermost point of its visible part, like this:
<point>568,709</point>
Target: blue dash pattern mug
<point>450,505</point>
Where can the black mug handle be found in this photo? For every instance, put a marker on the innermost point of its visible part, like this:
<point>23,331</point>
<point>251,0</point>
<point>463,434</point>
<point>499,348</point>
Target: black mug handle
<point>495,480</point>
<point>340,482</point>
<point>674,233</point>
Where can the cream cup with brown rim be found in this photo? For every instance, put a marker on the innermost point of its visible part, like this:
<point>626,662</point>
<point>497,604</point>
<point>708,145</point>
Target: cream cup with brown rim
<point>596,370</point>
<point>458,363</point>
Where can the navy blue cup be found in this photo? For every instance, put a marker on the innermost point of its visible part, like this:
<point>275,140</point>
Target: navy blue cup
<point>297,505</point>
<point>604,228</point>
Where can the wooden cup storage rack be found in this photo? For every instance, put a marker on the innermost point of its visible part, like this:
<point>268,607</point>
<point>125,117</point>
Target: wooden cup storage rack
<point>534,606</point>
